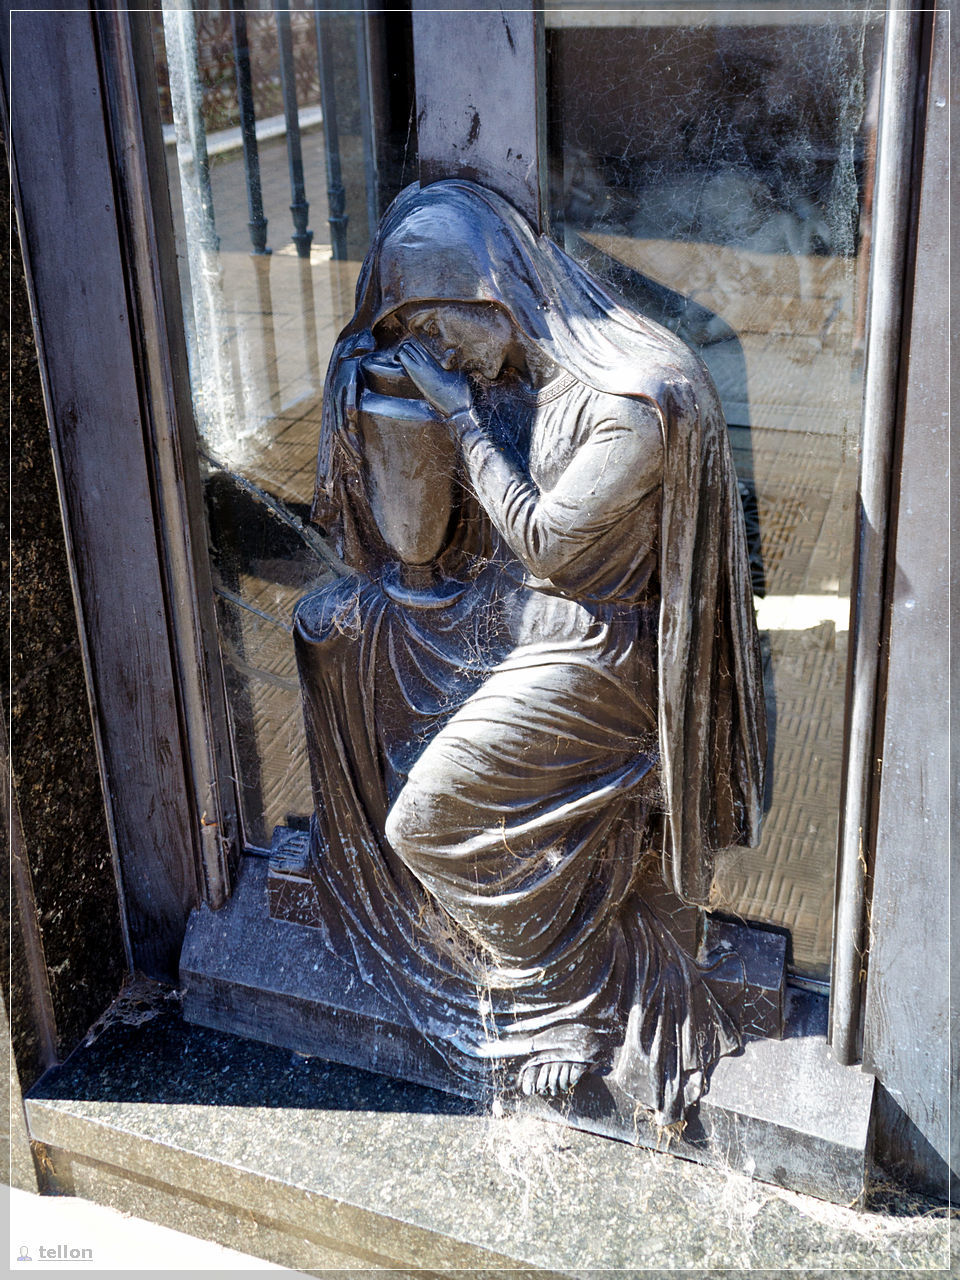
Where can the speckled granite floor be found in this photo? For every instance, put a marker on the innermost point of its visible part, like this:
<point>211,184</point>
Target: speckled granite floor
<point>323,1168</point>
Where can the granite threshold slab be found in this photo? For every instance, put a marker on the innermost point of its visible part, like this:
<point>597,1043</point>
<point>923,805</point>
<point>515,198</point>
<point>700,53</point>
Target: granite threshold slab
<point>325,1168</point>
<point>782,1111</point>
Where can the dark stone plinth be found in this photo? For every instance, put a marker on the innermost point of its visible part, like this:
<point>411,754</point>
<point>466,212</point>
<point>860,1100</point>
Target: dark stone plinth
<point>315,1165</point>
<point>290,888</point>
<point>782,1110</point>
<point>763,955</point>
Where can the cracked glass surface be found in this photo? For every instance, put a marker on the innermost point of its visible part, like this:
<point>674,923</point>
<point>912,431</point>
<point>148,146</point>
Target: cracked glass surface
<point>259,332</point>
<point>713,167</point>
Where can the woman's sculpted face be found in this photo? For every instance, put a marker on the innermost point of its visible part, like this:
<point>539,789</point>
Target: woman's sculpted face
<point>472,337</point>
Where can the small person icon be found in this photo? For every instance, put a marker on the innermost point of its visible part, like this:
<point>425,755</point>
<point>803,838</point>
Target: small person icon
<point>24,1254</point>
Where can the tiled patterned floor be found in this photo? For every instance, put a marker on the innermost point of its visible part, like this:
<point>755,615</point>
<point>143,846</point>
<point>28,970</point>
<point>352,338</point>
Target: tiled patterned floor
<point>796,452</point>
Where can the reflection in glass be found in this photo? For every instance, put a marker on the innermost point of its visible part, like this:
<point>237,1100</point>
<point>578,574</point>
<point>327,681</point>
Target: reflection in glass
<point>266,112</point>
<point>714,169</point>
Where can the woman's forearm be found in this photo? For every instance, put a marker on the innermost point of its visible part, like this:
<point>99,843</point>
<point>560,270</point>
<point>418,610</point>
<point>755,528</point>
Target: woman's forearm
<point>547,530</point>
<point>510,498</point>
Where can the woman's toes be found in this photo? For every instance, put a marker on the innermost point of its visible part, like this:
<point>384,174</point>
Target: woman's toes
<point>553,1078</point>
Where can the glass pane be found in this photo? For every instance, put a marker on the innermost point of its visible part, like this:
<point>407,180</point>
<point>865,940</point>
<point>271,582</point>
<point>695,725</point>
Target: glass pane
<point>713,167</point>
<point>331,96</point>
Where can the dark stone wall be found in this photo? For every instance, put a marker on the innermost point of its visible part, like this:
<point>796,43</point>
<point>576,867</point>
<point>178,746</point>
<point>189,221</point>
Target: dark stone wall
<point>67,948</point>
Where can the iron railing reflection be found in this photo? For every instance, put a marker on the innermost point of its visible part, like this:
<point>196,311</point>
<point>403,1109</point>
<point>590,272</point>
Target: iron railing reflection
<point>236,81</point>
<point>248,128</point>
<point>251,64</point>
<point>222,76</point>
<point>336,192</point>
<point>299,206</point>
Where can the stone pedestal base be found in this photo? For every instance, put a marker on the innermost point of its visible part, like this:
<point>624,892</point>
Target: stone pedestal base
<point>782,1110</point>
<point>339,1172</point>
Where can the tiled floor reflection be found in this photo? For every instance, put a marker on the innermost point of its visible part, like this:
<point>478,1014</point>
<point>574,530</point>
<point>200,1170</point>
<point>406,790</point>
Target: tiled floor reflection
<point>804,491</point>
<point>794,451</point>
<point>792,364</point>
<point>281,317</point>
<point>268,725</point>
<point>782,346</point>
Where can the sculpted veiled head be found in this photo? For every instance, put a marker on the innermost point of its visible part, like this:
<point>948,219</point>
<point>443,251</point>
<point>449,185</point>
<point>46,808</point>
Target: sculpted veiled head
<point>449,272</point>
<point>474,337</point>
<point>477,338</point>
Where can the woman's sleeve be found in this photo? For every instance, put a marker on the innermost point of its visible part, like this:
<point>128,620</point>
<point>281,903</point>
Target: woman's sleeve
<point>617,465</point>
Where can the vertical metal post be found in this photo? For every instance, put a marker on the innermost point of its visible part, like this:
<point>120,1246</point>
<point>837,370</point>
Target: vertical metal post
<point>127,50</point>
<point>302,237</point>
<point>366,124</point>
<point>207,341</point>
<point>907,1015</point>
<point>248,128</point>
<point>336,192</point>
<point>892,203</point>
<point>88,317</point>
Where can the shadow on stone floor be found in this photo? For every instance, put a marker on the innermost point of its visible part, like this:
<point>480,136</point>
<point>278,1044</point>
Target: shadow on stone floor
<point>143,1052</point>
<point>150,1055</point>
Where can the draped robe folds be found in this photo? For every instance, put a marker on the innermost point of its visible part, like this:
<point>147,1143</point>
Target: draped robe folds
<point>630,721</point>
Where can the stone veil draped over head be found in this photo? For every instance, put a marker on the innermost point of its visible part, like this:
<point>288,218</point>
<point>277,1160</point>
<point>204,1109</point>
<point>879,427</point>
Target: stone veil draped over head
<point>367,645</point>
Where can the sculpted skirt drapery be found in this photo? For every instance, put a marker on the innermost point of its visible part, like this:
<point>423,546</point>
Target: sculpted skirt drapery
<point>500,910</point>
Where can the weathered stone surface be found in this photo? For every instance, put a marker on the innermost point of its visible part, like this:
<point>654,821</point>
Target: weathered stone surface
<point>18,1169</point>
<point>781,1110</point>
<point>315,1165</point>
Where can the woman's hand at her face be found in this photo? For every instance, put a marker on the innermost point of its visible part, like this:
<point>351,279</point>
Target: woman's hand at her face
<point>445,390</point>
<point>349,410</point>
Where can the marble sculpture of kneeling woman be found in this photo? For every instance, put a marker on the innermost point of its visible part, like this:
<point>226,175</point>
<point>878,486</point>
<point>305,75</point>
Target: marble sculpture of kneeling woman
<point>578,671</point>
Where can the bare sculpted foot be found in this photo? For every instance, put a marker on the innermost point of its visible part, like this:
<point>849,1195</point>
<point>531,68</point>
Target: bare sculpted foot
<point>550,1077</point>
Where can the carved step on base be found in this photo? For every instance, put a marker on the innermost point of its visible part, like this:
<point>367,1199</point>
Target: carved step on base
<point>758,956</point>
<point>782,1111</point>
<point>290,887</point>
